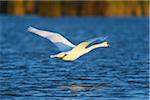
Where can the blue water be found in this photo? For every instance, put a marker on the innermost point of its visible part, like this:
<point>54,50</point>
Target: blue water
<point>116,73</point>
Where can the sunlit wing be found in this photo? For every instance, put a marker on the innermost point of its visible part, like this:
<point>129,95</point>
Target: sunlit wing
<point>83,45</point>
<point>62,43</point>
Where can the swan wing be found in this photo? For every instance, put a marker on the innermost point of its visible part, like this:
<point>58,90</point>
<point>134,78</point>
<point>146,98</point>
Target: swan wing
<point>83,45</point>
<point>62,43</point>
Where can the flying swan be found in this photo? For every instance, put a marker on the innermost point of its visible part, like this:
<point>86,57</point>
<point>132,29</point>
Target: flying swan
<point>69,51</point>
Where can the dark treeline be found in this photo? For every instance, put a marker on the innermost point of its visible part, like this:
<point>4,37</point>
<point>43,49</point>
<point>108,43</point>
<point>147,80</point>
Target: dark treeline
<point>76,8</point>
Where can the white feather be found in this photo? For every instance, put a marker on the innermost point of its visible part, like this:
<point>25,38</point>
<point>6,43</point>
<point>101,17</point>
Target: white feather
<point>69,52</point>
<point>56,38</point>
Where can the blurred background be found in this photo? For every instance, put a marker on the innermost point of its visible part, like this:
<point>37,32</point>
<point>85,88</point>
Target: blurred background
<point>120,72</point>
<point>76,8</point>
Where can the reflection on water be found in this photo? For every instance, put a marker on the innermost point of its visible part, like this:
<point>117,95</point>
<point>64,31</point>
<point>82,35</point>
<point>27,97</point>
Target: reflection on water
<point>75,88</point>
<point>118,72</point>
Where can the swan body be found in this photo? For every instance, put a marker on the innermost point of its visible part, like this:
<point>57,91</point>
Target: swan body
<point>69,52</point>
<point>74,54</point>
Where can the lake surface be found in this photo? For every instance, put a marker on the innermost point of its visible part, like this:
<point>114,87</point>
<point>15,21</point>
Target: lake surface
<point>120,72</point>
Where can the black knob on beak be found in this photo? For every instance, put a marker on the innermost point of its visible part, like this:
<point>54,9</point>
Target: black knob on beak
<point>108,44</point>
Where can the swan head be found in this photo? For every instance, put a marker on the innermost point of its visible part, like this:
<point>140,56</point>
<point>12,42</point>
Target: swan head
<point>60,55</point>
<point>105,44</point>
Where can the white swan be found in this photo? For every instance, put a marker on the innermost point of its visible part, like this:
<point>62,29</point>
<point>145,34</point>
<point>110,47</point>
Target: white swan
<point>69,51</point>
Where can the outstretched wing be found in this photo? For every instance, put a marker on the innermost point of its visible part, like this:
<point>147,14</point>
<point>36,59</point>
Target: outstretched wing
<point>62,43</point>
<point>83,45</point>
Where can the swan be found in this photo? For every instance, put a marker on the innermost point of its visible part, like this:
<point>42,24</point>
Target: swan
<point>69,51</point>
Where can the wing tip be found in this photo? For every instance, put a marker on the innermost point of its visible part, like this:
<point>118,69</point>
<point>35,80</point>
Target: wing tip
<point>31,29</point>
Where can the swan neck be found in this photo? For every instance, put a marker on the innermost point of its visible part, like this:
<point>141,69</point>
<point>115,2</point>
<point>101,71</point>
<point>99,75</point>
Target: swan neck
<point>104,44</point>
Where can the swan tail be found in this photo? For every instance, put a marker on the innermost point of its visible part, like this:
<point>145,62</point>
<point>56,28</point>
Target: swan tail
<point>52,56</point>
